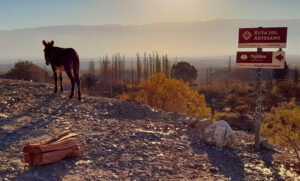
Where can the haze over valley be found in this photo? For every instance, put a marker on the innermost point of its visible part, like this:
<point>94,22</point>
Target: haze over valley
<point>206,39</point>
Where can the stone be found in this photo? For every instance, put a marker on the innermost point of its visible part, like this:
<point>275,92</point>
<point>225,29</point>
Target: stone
<point>24,119</point>
<point>202,124</point>
<point>192,121</point>
<point>3,115</point>
<point>3,171</point>
<point>198,126</point>
<point>15,163</point>
<point>213,169</point>
<point>219,134</point>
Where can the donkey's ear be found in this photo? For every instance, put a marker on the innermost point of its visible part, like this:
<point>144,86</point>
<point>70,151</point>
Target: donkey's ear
<point>51,43</point>
<point>44,43</point>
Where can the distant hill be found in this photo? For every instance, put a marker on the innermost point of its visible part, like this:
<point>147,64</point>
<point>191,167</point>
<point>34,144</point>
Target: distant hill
<point>181,39</point>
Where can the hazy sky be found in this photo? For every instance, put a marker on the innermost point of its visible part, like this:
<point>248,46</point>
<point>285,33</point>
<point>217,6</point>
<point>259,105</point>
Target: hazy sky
<point>15,14</point>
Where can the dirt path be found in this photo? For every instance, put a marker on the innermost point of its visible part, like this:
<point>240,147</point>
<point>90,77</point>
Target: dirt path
<point>123,141</point>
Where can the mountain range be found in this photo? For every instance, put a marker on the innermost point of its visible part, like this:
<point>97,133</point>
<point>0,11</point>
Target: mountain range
<point>177,39</point>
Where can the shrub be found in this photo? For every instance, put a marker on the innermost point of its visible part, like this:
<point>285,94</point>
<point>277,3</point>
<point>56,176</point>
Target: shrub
<point>287,89</point>
<point>283,127</point>
<point>88,80</point>
<point>25,70</point>
<point>172,95</point>
<point>227,116</point>
<point>185,71</point>
<point>128,96</point>
<point>236,120</point>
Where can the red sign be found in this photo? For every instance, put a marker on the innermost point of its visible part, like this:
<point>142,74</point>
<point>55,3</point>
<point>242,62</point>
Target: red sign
<point>273,60</point>
<point>262,37</point>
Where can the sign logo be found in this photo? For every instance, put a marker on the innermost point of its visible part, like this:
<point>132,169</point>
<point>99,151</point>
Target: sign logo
<point>244,57</point>
<point>247,35</point>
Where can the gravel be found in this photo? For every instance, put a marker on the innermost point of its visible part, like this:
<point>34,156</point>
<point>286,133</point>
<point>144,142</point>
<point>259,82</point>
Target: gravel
<point>123,141</point>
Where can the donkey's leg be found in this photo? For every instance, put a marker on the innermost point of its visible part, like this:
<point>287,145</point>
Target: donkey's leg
<point>76,75</point>
<point>55,81</point>
<point>61,85</point>
<point>78,84</point>
<point>69,73</point>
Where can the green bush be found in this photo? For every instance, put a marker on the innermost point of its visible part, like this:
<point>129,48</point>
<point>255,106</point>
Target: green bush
<point>184,71</point>
<point>25,70</point>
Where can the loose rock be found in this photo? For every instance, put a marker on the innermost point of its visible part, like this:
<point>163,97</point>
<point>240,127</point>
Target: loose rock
<point>219,134</point>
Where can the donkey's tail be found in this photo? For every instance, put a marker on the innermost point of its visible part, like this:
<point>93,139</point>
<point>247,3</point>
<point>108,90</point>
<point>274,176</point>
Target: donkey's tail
<point>76,63</point>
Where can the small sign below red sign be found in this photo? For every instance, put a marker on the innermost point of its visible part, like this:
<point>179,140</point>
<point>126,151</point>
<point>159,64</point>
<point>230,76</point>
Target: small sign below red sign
<point>273,60</point>
<point>262,37</point>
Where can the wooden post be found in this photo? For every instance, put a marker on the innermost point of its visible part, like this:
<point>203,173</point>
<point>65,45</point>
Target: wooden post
<point>258,106</point>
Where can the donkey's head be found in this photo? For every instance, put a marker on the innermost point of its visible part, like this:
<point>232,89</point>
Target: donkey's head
<point>47,51</point>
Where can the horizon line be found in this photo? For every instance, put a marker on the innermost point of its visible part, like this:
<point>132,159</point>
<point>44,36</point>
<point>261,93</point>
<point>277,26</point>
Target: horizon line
<point>153,23</point>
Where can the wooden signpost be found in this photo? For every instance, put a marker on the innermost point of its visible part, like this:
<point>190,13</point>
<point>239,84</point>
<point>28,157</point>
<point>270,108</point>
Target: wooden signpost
<point>260,38</point>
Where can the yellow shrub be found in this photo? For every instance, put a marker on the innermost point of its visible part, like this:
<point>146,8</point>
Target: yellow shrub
<point>124,96</point>
<point>283,127</point>
<point>172,95</point>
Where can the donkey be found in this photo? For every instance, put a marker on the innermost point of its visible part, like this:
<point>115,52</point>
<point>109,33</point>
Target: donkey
<point>63,59</point>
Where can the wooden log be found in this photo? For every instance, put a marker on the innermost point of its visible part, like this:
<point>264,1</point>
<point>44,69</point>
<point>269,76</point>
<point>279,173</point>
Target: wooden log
<point>54,156</point>
<point>52,150</point>
<point>32,155</point>
<point>61,145</point>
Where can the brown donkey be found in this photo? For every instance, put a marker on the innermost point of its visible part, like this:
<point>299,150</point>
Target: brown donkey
<point>63,59</point>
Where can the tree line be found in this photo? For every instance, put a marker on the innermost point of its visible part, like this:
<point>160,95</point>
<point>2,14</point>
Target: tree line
<point>115,74</point>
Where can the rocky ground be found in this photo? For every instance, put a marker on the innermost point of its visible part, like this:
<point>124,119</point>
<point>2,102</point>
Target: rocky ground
<point>123,141</point>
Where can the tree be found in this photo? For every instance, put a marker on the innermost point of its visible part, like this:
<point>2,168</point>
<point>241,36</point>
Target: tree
<point>166,66</point>
<point>89,79</point>
<point>138,68</point>
<point>146,68</point>
<point>92,69</point>
<point>279,74</point>
<point>26,70</point>
<point>296,75</point>
<point>151,65</point>
<point>157,64</point>
<point>104,71</point>
<point>132,74</point>
<point>185,71</point>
